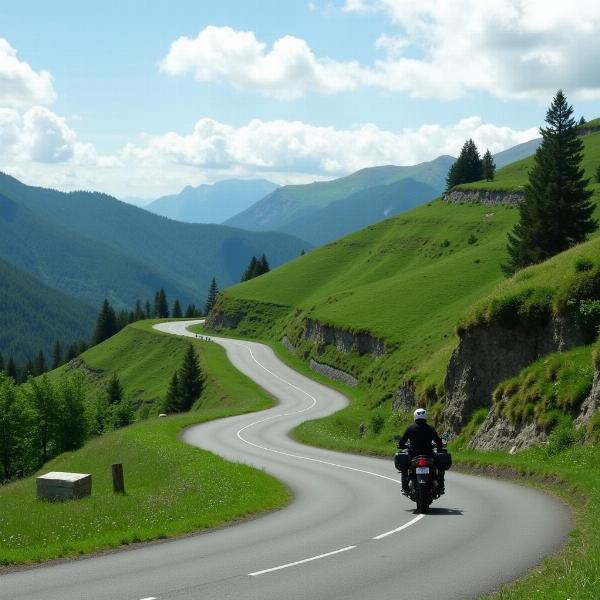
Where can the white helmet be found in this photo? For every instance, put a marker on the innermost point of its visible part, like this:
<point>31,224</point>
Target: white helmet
<point>420,413</point>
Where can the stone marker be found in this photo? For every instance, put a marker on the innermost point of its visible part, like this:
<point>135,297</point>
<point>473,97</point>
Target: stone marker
<point>63,486</point>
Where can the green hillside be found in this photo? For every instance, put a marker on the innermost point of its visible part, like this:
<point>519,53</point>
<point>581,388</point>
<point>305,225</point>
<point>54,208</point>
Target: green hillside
<point>407,280</point>
<point>280,209</point>
<point>33,316</point>
<point>92,246</point>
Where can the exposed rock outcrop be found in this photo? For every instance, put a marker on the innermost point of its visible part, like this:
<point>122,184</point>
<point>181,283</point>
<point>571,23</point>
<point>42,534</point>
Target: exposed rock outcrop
<point>489,354</point>
<point>333,373</point>
<point>491,197</point>
<point>591,404</point>
<point>220,320</point>
<point>583,130</point>
<point>498,433</point>
<point>287,344</point>
<point>405,398</point>
<point>342,339</point>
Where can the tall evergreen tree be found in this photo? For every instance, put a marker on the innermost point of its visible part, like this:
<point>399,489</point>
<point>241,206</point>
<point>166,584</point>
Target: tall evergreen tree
<point>468,166</point>
<point>556,212</point>
<point>190,379</point>
<point>213,292</point>
<point>582,120</point>
<point>191,311</point>
<point>250,271</point>
<point>56,355</point>
<point>138,311</point>
<point>11,369</point>
<point>2,367</point>
<point>176,310</point>
<point>106,324</point>
<point>114,391</point>
<point>39,365</point>
<point>148,309</point>
<point>488,166</point>
<point>161,308</point>
<point>172,402</point>
<point>262,265</point>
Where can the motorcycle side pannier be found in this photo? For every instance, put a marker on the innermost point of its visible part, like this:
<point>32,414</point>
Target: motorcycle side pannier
<point>444,460</point>
<point>401,461</point>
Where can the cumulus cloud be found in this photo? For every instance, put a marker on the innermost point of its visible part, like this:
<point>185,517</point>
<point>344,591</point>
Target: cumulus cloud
<point>286,71</point>
<point>296,147</point>
<point>444,50</point>
<point>509,48</point>
<point>20,85</point>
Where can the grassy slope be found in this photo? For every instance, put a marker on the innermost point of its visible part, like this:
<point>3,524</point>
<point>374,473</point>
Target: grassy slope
<point>172,488</point>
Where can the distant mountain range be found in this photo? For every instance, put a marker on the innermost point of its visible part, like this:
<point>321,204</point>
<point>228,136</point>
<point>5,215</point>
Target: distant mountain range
<point>212,203</point>
<point>349,203</point>
<point>91,246</point>
<point>34,316</point>
<point>518,152</point>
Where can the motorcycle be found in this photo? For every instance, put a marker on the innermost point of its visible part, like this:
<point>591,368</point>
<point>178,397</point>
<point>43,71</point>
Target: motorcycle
<point>422,474</point>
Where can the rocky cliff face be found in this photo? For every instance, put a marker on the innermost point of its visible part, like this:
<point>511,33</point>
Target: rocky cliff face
<point>498,433</point>
<point>591,404</point>
<point>405,399</point>
<point>484,197</point>
<point>220,320</point>
<point>489,354</point>
<point>342,339</point>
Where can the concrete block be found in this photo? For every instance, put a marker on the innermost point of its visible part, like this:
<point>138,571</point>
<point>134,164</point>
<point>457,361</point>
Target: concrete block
<point>57,485</point>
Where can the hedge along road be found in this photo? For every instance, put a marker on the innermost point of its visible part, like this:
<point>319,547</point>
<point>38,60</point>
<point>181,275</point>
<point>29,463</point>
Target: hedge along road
<point>348,534</point>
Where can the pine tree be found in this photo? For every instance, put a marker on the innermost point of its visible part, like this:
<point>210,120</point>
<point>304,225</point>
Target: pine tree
<point>114,391</point>
<point>468,166</point>
<point>56,355</point>
<point>250,271</point>
<point>39,366</point>
<point>488,167</point>
<point>11,369</point>
<point>262,266</point>
<point>1,363</point>
<point>556,212</point>
<point>172,402</point>
<point>213,292</point>
<point>176,310</point>
<point>148,309</point>
<point>161,307</point>
<point>190,379</point>
<point>582,120</point>
<point>191,311</point>
<point>138,311</point>
<point>106,324</point>
<point>72,352</point>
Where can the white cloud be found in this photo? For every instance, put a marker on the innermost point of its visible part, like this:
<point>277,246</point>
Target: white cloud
<point>286,71</point>
<point>20,85</point>
<point>509,48</point>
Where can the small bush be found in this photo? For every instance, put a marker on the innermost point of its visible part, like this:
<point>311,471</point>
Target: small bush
<point>562,437</point>
<point>377,424</point>
<point>588,315</point>
<point>472,239</point>
<point>445,243</point>
<point>594,428</point>
<point>583,264</point>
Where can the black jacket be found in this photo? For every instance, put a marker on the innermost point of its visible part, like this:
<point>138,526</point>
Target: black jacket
<point>422,436</point>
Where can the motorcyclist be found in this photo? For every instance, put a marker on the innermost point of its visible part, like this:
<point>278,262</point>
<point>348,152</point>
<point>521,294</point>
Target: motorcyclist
<point>421,436</point>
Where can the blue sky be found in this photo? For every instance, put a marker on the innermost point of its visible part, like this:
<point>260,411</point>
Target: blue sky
<point>401,84</point>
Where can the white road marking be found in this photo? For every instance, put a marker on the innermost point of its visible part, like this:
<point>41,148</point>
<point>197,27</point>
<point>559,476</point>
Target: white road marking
<point>299,562</point>
<point>149,598</point>
<point>411,522</point>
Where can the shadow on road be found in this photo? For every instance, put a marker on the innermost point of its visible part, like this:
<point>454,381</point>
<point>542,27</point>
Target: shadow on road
<point>440,512</point>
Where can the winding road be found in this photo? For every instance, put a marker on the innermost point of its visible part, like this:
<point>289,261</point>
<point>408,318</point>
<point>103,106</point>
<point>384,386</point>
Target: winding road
<point>349,534</point>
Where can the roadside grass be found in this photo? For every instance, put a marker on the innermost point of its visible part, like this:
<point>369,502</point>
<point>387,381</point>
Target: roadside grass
<point>172,488</point>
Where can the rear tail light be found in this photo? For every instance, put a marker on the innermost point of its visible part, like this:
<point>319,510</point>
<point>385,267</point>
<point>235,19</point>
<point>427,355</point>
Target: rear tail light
<point>422,462</point>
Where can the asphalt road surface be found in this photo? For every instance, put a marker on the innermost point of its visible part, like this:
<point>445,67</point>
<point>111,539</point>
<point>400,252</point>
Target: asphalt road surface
<point>348,534</point>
